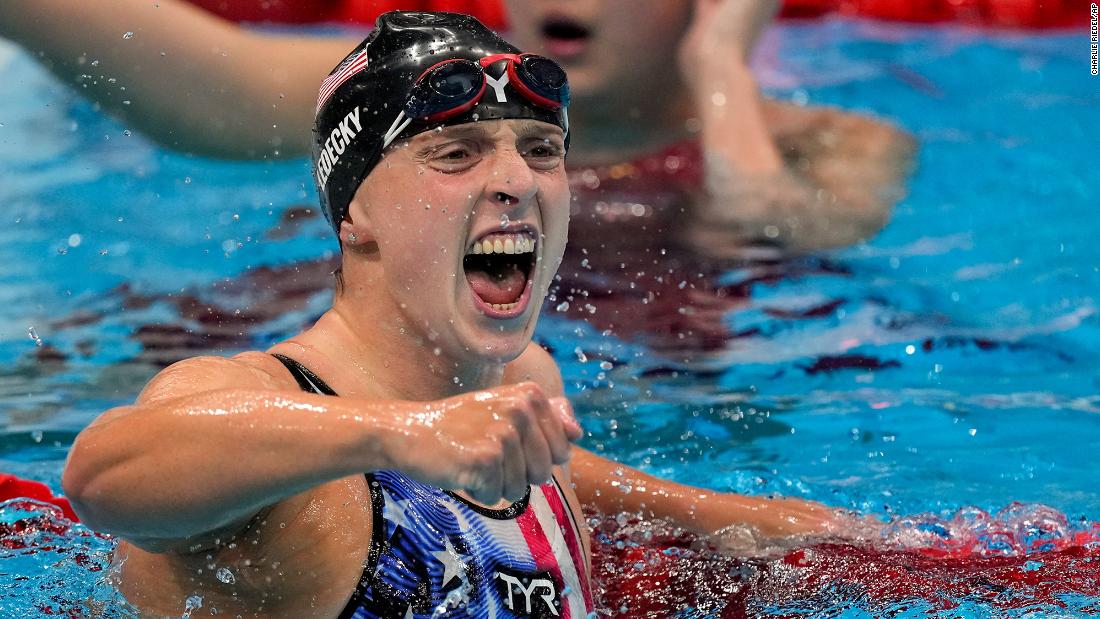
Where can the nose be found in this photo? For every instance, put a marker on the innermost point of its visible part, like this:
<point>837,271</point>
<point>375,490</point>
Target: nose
<point>511,181</point>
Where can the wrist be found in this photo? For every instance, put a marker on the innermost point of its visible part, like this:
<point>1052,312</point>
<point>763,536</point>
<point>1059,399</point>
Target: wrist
<point>732,123</point>
<point>718,74</point>
<point>380,437</point>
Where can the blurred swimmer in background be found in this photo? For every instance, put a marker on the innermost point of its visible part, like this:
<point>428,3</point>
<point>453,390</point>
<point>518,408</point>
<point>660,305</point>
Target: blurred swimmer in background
<point>680,163</point>
<point>650,74</point>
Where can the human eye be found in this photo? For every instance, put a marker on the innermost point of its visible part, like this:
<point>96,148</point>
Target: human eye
<point>454,156</point>
<point>544,153</point>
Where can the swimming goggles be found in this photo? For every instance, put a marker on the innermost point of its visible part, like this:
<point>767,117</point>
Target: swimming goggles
<point>452,87</point>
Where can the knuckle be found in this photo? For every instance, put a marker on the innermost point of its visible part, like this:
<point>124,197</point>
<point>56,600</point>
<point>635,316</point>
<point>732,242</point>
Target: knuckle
<point>533,391</point>
<point>521,417</point>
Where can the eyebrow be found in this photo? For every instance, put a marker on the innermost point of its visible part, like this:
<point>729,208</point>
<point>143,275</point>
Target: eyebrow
<point>527,128</point>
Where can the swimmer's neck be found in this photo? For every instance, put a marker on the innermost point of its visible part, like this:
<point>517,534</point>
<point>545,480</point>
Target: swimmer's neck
<point>606,132</point>
<point>371,358</point>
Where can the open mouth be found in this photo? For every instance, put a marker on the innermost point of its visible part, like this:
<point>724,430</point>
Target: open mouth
<point>564,29</point>
<point>565,37</point>
<point>498,267</point>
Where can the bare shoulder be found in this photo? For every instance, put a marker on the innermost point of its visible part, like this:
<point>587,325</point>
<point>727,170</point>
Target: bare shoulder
<point>537,366</point>
<point>300,557</point>
<point>249,370</point>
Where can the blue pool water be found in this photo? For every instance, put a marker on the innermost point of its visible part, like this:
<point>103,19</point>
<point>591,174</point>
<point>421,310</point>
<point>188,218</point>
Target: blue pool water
<point>950,362</point>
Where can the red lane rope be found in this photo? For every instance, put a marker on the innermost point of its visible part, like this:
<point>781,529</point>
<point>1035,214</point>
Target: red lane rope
<point>1030,14</point>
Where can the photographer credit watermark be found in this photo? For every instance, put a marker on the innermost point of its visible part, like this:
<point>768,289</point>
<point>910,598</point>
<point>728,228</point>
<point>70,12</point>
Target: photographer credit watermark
<point>1092,37</point>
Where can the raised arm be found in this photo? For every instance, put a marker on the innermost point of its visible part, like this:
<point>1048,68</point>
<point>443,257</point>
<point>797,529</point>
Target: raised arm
<point>801,178</point>
<point>210,442</point>
<point>188,79</point>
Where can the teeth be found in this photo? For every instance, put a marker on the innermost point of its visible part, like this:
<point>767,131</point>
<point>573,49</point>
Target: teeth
<point>504,307</point>
<point>504,244</point>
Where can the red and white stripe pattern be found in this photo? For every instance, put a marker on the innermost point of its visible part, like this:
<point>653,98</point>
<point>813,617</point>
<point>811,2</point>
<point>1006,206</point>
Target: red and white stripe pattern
<point>348,68</point>
<point>554,546</point>
<point>543,537</point>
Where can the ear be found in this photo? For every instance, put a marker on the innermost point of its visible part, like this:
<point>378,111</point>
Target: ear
<point>357,221</point>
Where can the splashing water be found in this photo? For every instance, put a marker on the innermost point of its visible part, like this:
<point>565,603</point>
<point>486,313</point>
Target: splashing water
<point>54,567</point>
<point>1020,558</point>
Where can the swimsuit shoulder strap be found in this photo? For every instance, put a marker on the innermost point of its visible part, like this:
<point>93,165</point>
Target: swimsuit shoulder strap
<point>307,380</point>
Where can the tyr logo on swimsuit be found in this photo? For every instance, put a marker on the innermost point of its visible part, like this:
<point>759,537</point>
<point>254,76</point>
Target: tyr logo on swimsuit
<point>534,595</point>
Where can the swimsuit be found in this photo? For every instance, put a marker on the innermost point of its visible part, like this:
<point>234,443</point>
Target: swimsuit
<point>435,554</point>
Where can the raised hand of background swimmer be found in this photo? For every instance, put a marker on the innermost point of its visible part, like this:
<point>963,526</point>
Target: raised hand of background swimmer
<point>490,444</point>
<point>722,32</point>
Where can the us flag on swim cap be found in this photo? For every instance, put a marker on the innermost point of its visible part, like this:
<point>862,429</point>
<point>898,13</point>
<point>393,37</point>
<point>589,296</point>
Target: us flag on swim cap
<point>348,68</point>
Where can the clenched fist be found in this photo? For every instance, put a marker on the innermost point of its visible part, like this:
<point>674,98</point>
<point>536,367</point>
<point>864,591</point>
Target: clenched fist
<point>491,444</point>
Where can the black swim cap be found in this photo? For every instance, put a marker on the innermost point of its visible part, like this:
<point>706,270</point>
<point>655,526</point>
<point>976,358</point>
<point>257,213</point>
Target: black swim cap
<point>361,103</point>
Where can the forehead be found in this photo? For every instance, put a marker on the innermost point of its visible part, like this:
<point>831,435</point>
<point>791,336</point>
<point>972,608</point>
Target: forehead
<point>490,130</point>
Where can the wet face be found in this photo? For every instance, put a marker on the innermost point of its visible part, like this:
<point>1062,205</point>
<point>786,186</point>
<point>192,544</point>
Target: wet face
<point>470,223</point>
<point>608,47</point>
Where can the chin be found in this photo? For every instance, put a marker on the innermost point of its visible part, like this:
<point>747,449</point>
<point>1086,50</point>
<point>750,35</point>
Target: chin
<point>500,343</point>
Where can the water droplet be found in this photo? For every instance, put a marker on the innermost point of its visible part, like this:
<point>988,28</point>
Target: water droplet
<point>226,575</point>
<point>504,220</point>
<point>192,603</point>
<point>563,306</point>
<point>128,35</point>
<point>75,240</point>
<point>31,333</point>
<point>36,436</point>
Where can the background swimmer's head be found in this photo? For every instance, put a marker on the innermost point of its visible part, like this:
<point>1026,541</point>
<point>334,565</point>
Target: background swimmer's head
<point>614,50</point>
<point>362,103</point>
